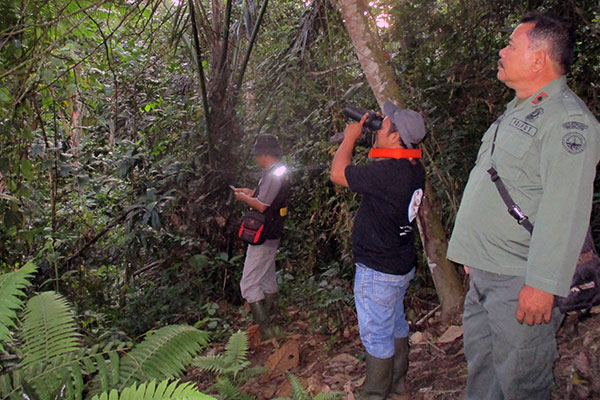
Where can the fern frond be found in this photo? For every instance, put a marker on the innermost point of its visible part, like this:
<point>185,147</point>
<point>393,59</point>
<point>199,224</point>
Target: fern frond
<point>213,363</point>
<point>49,331</point>
<point>11,289</point>
<point>163,355</point>
<point>329,396</point>
<point>237,347</point>
<point>298,391</point>
<point>252,372</point>
<point>226,388</point>
<point>152,391</point>
<point>236,352</point>
<point>232,362</point>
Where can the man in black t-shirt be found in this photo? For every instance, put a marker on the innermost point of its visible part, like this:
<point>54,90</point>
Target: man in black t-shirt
<point>382,241</point>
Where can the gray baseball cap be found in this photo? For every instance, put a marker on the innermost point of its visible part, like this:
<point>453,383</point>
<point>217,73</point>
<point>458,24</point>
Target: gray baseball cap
<point>408,123</point>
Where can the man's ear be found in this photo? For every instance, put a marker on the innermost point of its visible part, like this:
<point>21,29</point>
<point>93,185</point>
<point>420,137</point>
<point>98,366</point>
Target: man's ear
<point>540,60</point>
<point>396,137</point>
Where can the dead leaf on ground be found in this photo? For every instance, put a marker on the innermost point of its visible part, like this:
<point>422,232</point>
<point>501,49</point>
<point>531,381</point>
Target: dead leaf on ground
<point>343,359</point>
<point>254,336</point>
<point>286,358</point>
<point>451,334</point>
<point>417,338</point>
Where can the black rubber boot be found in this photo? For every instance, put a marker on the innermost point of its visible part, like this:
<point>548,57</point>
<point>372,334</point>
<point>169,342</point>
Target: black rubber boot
<point>261,316</point>
<point>400,366</point>
<point>379,378</point>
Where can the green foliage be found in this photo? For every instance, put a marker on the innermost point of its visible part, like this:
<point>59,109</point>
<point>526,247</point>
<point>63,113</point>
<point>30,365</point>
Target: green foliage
<point>11,292</point>
<point>231,367</point>
<point>54,362</point>
<point>153,391</point>
<point>162,355</point>
<point>299,393</point>
<point>104,180</point>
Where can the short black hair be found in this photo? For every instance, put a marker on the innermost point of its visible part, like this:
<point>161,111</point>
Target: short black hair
<point>557,32</point>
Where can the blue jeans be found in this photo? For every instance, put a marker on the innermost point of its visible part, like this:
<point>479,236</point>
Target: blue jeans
<point>379,300</point>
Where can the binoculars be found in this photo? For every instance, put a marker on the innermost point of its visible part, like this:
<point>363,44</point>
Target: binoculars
<point>372,123</point>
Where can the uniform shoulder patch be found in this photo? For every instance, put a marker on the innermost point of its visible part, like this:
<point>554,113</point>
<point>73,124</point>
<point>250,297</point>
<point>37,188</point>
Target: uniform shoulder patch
<point>570,125</point>
<point>574,142</point>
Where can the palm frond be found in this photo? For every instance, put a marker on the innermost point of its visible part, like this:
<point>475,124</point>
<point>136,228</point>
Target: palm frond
<point>164,354</point>
<point>153,391</point>
<point>11,289</point>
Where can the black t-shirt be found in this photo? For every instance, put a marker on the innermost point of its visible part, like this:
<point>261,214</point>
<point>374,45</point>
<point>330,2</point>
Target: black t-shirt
<point>382,237</point>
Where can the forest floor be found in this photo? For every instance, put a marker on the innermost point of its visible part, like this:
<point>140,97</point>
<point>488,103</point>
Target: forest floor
<point>335,361</point>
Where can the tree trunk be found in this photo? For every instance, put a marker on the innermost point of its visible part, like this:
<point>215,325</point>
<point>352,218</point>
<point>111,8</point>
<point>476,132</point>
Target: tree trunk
<point>435,244</point>
<point>372,58</point>
<point>381,78</point>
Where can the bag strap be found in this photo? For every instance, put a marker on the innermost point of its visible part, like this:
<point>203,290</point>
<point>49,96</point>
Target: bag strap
<point>513,209</point>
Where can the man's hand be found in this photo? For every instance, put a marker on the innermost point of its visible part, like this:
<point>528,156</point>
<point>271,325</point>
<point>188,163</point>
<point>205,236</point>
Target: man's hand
<point>535,306</point>
<point>246,191</point>
<point>343,155</point>
<point>354,130</point>
<point>243,194</point>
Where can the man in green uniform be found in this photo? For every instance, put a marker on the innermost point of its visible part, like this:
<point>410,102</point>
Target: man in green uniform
<point>545,148</point>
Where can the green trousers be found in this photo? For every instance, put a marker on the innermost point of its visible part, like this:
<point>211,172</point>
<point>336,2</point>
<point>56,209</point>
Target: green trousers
<point>505,360</point>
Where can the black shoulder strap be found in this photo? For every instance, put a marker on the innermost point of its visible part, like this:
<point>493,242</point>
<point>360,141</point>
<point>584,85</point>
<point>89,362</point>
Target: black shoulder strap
<point>513,209</point>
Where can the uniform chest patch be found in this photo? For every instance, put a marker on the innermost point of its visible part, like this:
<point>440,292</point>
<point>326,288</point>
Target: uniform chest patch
<point>542,96</point>
<point>534,114</point>
<point>573,142</point>
<point>523,126</point>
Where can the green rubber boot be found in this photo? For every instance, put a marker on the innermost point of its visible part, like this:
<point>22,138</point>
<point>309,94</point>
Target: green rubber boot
<point>261,316</point>
<point>379,378</point>
<point>272,309</point>
<point>400,368</point>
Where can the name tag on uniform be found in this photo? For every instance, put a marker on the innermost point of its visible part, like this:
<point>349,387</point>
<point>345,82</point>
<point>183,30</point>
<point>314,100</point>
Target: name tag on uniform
<point>523,126</point>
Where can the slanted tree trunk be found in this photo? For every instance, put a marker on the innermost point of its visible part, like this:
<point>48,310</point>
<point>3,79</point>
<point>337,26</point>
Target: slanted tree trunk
<point>382,80</point>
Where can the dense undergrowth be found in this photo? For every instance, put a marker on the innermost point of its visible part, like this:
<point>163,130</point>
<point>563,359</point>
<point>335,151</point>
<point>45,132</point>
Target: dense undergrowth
<point>105,179</point>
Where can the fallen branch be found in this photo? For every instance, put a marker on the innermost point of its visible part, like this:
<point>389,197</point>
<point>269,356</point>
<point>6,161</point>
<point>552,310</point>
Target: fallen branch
<point>429,314</point>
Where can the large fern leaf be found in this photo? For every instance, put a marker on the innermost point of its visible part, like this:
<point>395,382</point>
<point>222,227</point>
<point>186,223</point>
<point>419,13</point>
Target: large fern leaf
<point>11,289</point>
<point>50,347</point>
<point>151,391</point>
<point>163,355</point>
<point>49,330</point>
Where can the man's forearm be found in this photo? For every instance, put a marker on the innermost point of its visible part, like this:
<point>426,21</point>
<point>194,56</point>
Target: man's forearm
<point>341,159</point>
<point>253,202</point>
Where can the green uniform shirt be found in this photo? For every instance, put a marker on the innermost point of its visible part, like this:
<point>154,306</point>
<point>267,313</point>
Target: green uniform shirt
<point>546,151</point>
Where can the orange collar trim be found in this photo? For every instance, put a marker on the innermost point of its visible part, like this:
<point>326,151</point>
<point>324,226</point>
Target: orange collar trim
<point>395,153</point>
